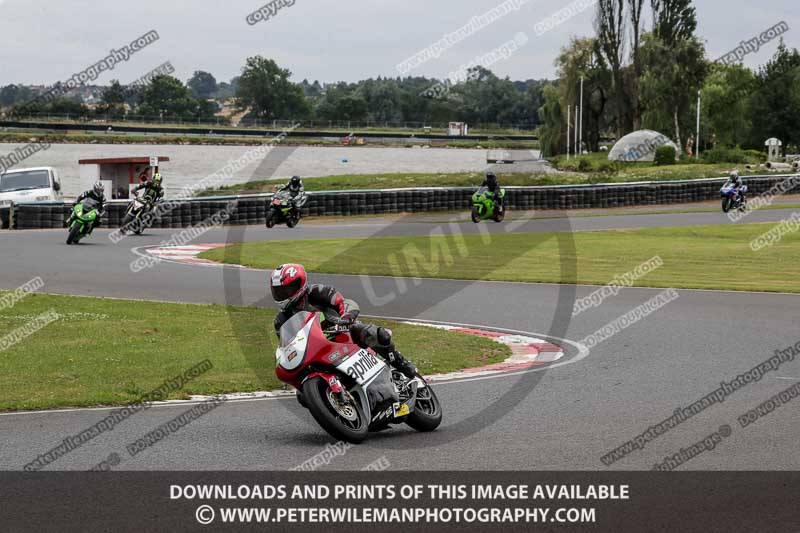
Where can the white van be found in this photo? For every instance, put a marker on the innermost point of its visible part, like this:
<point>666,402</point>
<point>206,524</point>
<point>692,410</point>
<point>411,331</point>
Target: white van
<point>30,185</point>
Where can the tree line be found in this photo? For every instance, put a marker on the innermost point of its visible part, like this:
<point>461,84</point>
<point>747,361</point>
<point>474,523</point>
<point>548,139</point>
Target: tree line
<point>644,68</point>
<point>264,91</point>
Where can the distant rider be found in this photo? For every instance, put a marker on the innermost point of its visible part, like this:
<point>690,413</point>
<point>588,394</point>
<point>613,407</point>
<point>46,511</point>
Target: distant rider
<point>493,185</point>
<point>736,180</point>
<point>96,193</point>
<point>153,191</point>
<point>296,190</point>
<point>290,289</point>
<point>295,187</point>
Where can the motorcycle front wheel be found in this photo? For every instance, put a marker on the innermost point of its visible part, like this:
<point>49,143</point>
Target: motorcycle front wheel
<point>74,231</point>
<point>343,421</point>
<point>271,218</point>
<point>427,414</point>
<point>476,216</point>
<point>726,205</point>
<point>138,227</point>
<point>124,226</point>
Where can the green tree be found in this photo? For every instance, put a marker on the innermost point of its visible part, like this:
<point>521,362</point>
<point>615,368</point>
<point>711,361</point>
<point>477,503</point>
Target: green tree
<point>673,76</point>
<point>114,94</point>
<point>487,99</point>
<point>113,100</point>
<point>167,97</point>
<point>583,59</point>
<point>611,26</point>
<point>553,129</point>
<point>351,107</point>
<point>9,95</point>
<point>673,20</point>
<point>202,84</point>
<point>265,89</point>
<point>726,97</point>
<point>775,105</point>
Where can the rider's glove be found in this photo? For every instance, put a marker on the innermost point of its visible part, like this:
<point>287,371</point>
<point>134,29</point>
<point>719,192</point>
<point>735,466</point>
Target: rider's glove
<point>346,320</point>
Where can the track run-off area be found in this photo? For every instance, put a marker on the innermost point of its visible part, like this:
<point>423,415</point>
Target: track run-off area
<point>561,416</point>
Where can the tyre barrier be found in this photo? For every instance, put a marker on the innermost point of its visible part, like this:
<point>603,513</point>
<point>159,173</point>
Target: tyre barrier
<point>249,210</point>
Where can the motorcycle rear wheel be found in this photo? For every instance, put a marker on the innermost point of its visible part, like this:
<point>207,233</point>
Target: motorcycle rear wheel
<point>344,422</point>
<point>427,414</point>
<point>499,217</point>
<point>291,222</point>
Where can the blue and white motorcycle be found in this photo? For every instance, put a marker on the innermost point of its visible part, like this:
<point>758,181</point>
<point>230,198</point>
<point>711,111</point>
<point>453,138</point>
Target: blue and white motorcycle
<point>732,199</point>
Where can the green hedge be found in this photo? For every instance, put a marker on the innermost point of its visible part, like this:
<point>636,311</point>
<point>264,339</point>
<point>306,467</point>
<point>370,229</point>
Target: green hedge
<point>665,155</point>
<point>735,156</point>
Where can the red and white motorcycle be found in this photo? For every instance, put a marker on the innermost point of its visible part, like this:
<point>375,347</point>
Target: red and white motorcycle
<point>348,389</point>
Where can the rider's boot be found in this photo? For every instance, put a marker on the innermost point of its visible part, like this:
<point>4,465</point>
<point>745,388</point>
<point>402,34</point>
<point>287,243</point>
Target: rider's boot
<point>396,360</point>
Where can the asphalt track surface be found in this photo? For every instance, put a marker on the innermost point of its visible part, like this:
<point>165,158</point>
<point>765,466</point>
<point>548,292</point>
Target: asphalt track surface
<point>563,418</point>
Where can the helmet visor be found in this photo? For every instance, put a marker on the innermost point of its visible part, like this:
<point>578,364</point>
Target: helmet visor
<point>283,292</point>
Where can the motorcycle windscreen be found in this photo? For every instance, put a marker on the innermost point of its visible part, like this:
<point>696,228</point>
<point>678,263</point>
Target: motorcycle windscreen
<point>294,338</point>
<point>89,203</point>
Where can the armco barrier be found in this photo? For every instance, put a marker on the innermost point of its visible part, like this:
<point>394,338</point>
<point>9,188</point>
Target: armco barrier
<point>252,209</point>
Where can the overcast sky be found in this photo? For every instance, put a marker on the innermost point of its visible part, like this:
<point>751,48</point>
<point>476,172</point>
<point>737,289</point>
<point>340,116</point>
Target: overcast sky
<point>44,41</point>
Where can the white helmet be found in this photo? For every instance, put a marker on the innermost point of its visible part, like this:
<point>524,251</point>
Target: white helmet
<point>98,188</point>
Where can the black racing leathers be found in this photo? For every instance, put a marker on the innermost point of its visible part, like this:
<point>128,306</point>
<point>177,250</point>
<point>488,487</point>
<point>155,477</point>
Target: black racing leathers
<point>101,201</point>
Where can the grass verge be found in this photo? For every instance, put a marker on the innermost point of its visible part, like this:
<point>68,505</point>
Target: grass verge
<point>111,352</point>
<point>473,179</point>
<point>703,257</point>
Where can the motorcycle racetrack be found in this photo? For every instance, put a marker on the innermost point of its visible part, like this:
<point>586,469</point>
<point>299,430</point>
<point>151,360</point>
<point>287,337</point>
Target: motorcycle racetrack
<point>558,417</point>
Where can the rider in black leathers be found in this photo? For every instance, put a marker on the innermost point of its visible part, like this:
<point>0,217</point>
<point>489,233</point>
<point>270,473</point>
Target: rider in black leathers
<point>96,193</point>
<point>493,185</point>
<point>153,190</point>
<point>296,190</point>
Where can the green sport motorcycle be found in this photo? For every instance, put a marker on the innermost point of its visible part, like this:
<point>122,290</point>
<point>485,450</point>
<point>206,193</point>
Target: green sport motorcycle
<point>82,219</point>
<point>483,206</point>
<point>283,209</point>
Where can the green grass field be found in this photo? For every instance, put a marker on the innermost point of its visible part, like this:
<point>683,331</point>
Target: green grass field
<point>110,352</point>
<point>705,257</point>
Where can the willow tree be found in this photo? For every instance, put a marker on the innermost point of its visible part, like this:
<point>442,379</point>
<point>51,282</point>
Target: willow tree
<point>611,26</point>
